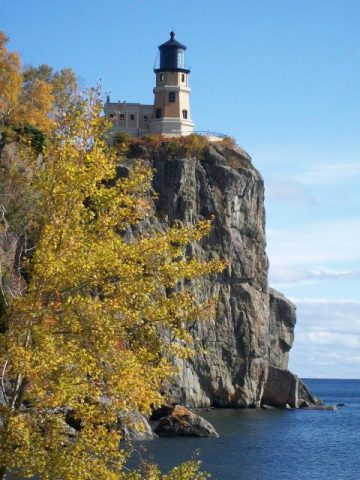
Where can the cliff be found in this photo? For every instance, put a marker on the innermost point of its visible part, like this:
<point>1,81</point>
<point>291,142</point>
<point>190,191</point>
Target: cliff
<point>242,348</point>
<point>249,336</point>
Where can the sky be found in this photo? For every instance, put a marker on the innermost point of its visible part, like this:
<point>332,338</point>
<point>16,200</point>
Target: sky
<point>283,78</point>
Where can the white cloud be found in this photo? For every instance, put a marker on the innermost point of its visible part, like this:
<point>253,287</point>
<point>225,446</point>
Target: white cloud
<point>327,338</point>
<point>336,316</point>
<point>288,190</point>
<point>288,276</point>
<point>327,302</point>
<point>323,337</point>
<point>314,243</point>
<point>331,173</point>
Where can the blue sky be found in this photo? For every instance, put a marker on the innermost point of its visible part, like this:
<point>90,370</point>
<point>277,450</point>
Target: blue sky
<point>283,78</point>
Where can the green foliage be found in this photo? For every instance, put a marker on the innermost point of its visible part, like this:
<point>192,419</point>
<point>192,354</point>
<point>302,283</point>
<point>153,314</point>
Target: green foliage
<point>7,135</point>
<point>35,136</point>
<point>24,133</point>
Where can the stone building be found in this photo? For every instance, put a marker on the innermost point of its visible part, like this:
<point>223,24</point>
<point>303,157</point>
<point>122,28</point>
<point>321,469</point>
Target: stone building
<point>170,114</point>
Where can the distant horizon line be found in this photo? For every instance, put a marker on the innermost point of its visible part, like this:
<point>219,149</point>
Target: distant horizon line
<point>326,378</point>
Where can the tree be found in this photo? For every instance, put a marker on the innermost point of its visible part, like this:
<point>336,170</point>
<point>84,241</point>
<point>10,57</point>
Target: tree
<point>44,92</point>
<point>82,338</point>
<point>10,80</point>
<point>35,104</point>
<point>32,95</point>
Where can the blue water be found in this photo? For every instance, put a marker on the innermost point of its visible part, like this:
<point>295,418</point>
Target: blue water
<point>276,444</point>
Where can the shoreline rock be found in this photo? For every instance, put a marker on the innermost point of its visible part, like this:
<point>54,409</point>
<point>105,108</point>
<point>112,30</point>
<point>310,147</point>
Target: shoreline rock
<point>283,388</point>
<point>135,426</point>
<point>184,423</point>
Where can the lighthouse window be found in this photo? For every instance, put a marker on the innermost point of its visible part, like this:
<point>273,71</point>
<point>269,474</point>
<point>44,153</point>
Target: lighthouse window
<point>180,59</point>
<point>158,113</point>
<point>161,77</point>
<point>172,97</point>
<point>185,113</point>
<point>183,77</point>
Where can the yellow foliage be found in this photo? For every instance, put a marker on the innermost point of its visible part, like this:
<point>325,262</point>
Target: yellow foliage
<point>32,96</point>
<point>35,105</point>
<point>85,333</point>
<point>10,80</point>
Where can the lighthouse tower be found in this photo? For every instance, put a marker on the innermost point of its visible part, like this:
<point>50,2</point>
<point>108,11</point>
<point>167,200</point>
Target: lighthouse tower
<point>171,115</point>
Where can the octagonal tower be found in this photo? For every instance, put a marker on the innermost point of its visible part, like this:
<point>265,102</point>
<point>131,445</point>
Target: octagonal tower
<point>171,115</point>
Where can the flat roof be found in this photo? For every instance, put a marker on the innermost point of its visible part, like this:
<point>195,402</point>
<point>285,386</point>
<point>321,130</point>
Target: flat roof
<point>127,104</point>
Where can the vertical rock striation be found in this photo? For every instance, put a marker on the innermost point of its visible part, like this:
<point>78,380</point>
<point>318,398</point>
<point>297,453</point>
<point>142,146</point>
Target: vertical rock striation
<point>242,348</point>
<point>282,324</point>
<point>253,326</point>
<point>229,367</point>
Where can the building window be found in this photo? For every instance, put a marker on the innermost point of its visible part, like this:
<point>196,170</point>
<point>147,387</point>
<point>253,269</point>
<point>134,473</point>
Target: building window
<point>132,117</point>
<point>185,113</point>
<point>122,116</point>
<point>183,77</point>
<point>145,118</point>
<point>112,115</point>
<point>158,113</point>
<point>161,77</point>
<point>171,97</point>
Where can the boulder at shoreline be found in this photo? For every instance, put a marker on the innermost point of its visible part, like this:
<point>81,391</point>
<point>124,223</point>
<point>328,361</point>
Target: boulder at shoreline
<point>184,423</point>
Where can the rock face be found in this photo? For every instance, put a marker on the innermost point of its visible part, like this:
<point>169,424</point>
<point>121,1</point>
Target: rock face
<point>282,324</point>
<point>135,427</point>
<point>11,241</point>
<point>8,240</point>
<point>306,398</point>
<point>253,326</point>
<point>183,423</point>
<point>281,388</point>
<point>229,367</point>
<point>241,350</point>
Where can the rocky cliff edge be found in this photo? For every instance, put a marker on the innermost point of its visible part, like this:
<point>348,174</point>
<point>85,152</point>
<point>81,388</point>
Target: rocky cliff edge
<point>242,348</point>
<point>248,336</point>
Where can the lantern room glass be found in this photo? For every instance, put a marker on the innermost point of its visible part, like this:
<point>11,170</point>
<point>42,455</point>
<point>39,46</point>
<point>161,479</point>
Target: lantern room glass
<point>180,59</point>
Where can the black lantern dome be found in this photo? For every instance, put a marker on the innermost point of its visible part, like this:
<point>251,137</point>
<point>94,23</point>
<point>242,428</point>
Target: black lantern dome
<point>172,56</point>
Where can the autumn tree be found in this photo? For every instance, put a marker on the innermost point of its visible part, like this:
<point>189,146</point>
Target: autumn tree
<point>43,93</point>
<point>82,336</point>
<point>32,95</point>
<point>10,80</point>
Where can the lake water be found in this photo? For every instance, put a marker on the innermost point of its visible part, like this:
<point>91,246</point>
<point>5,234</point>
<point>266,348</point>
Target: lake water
<point>276,444</point>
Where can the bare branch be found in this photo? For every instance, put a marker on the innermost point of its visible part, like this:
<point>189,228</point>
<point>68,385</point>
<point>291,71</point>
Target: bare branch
<point>2,378</point>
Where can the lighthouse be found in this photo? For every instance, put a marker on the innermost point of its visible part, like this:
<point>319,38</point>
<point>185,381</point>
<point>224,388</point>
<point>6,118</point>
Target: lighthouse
<point>171,115</point>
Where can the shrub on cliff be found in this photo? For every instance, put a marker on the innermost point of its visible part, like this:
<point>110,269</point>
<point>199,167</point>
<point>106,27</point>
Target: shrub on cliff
<point>176,147</point>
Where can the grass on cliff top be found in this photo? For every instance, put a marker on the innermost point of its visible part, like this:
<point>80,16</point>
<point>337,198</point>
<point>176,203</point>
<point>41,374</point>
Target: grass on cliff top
<point>193,145</point>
